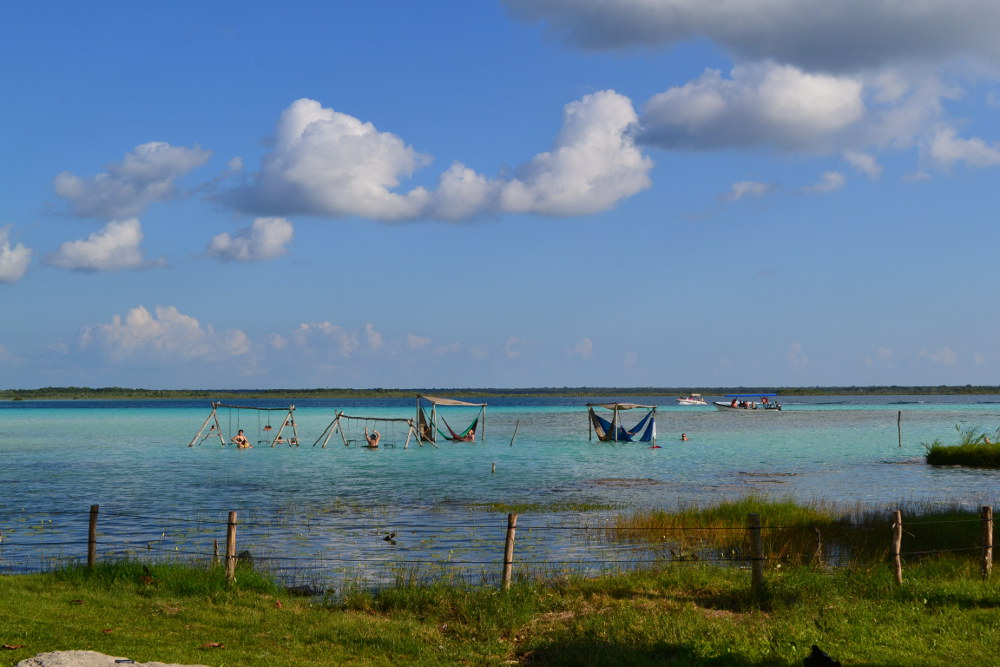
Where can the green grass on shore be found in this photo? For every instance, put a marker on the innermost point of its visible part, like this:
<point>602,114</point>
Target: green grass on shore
<point>974,449</point>
<point>683,614</point>
<point>800,533</point>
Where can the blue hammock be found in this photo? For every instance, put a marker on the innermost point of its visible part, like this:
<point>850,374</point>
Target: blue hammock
<point>607,433</point>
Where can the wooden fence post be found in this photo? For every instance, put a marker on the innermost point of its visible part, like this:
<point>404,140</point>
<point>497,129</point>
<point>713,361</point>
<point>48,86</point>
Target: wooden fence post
<point>756,555</point>
<point>231,548</point>
<point>508,551</point>
<point>92,538</point>
<point>987,521</point>
<point>897,543</point>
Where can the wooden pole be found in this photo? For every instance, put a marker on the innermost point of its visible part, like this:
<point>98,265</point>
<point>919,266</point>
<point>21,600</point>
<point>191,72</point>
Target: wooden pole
<point>987,519</point>
<point>231,548</point>
<point>508,550</point>
<point>899,427</point>
<point>92,537</point>
<point>516,424</point>
<point>756,555</point>
<point>897,543</point>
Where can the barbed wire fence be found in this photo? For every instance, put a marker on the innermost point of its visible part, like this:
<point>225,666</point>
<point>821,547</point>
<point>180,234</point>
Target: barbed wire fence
<point>377,552</point>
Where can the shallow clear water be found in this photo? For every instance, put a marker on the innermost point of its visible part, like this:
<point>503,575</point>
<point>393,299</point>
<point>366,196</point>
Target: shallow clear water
<point>335,505</point>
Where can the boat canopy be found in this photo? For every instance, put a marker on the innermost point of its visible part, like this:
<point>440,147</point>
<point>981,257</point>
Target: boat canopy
<point>747,395</point>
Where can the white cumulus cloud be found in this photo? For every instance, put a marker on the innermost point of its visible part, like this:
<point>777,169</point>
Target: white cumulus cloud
<point>946,149</point>
<point>764,104</point>
<point>594,164</point>
<point>161,337</point>
<point>265,239</point>
<point>329,164</point>
<point>146,175</point>
<point>14,258</point>
<point>115,247</point>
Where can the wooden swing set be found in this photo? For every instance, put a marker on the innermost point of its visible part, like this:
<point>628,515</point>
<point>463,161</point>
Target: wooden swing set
<point>348,427</point>
<point>266,433</point>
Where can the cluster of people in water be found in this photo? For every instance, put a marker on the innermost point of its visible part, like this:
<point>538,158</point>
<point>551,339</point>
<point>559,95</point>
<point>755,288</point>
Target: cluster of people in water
<point>242,442</point>
<point>752,405</point>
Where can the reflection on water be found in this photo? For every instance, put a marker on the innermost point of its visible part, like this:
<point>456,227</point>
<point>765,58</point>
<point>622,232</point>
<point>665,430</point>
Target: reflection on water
<point>320,509</point>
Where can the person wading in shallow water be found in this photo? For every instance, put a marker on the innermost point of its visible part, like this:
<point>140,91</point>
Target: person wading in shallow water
<point>241,440</point>
<point>372,438</point>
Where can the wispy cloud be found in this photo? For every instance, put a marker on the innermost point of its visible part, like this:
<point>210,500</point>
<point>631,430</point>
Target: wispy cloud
<point>832,180</point>
<point>146,175</point>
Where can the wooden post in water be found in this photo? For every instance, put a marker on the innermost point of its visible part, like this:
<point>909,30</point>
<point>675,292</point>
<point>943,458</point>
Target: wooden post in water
<point>508,550</point>
<point>897,543</point>
<point>92,538</point>
<point>756,555</point>
<point>987,520</point>
<point>231,548</point>
<point>899,427</point>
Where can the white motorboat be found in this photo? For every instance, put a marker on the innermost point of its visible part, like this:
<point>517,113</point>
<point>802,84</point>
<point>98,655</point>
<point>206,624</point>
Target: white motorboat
<point>691,399</point>
<point>756,403</point>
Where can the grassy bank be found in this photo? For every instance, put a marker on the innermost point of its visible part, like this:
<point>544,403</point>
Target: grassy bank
<point>974,449</point>
<point>817,533</point>
<point>685,614</point>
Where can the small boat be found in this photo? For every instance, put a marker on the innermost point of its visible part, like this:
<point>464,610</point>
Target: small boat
<point>691,399</point>
<point>747,403</point>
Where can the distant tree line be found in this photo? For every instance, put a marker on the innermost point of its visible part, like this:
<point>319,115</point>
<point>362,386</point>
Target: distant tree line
<point>105,393</point>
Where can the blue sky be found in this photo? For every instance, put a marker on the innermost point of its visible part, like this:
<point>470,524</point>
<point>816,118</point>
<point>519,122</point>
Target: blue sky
<point>499,194</point>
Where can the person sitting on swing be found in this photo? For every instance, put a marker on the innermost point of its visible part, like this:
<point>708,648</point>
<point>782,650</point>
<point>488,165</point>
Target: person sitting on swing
<point>372,438</point>
<point>241,440</point>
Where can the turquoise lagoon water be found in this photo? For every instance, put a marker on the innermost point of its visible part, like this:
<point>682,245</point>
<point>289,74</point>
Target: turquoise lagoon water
<point>330,508</point>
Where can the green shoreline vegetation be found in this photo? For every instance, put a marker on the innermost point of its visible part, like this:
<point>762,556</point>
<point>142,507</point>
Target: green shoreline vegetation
<point>680,612</point>
<point>105,393</point>
<point>975,449</point>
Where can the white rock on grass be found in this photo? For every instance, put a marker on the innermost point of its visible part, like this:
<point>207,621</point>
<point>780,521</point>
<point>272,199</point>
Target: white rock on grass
<point>88,659</point>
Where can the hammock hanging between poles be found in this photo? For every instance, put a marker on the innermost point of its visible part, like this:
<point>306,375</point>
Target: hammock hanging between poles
<point>468,435</point>
<point>612,430</point>
<point>428,426</point>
